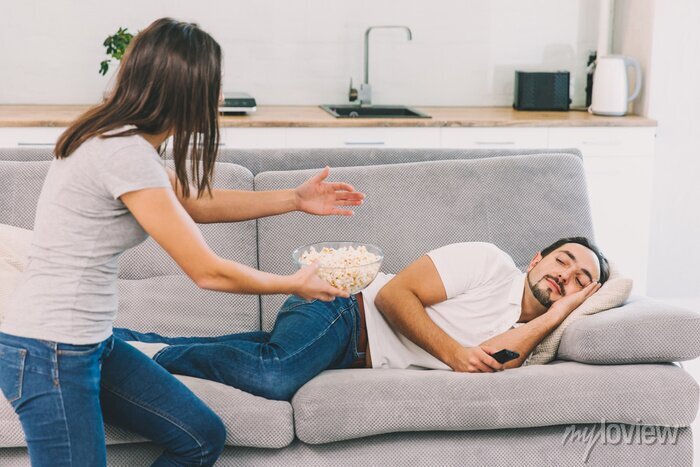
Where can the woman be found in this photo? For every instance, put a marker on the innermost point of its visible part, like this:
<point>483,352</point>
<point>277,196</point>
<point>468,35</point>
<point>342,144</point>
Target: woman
<point>106,191</point>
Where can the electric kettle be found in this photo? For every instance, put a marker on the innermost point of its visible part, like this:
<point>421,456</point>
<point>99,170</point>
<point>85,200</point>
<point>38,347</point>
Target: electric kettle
<point>611,87</point>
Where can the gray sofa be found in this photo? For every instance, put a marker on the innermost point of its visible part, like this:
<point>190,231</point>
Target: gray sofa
<point>615,367</point>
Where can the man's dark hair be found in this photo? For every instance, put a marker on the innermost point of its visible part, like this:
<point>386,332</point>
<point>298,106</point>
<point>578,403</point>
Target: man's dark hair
<point>602,260</point>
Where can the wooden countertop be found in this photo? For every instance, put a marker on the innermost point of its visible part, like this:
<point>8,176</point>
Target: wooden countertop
<point>313,116</point>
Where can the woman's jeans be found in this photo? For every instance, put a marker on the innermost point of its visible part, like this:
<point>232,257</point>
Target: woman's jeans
<point>63,394</point>
<point>308,337</point>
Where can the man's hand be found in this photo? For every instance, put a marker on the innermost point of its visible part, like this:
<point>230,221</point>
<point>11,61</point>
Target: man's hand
<point>475,360</point>
<point>315,196</point>
<point>565,305</point>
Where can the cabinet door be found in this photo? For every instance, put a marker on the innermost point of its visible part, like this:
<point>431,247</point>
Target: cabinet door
<point>363,137</point>
<point>605,141</point>
<point>29,136</point>
<point>619,189</point>
<point>494,138</point>
<point>252,138</point>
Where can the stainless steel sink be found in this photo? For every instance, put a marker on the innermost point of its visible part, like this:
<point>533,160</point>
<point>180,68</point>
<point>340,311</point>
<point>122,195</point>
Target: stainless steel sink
<point>373,111</point>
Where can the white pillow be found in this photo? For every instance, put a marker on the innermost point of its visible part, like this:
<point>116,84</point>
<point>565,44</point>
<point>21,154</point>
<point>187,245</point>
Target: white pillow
<point>14,248</point>
<point>612,294</point>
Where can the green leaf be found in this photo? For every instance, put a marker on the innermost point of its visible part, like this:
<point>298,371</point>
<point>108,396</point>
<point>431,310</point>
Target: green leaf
<point>104,66</point>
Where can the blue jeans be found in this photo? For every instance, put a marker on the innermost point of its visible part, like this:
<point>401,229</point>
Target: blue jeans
<point>63,394</point>
<point>308,337</point>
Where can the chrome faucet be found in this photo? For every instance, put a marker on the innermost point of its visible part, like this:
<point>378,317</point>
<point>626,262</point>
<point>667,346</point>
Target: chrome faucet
<point>364,95</point>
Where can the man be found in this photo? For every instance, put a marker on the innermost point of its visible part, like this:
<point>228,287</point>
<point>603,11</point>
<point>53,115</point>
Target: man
<point>450,309</point>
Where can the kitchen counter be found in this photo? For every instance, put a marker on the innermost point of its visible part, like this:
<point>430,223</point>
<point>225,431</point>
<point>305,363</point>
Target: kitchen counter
<point>313,116</point>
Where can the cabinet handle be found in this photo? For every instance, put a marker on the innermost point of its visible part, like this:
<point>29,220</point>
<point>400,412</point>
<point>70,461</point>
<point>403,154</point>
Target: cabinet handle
<point>364,143</point>
<point>494,142</point>
<point>600,143</point>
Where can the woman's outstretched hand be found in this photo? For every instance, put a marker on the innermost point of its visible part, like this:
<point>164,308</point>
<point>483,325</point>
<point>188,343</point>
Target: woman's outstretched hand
<point>316,196</point>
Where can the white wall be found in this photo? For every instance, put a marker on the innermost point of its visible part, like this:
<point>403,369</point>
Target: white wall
<point>665,37</point>
<point>305,51</point>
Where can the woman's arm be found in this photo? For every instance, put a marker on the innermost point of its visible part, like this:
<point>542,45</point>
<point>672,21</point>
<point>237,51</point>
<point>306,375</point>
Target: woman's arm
<point>164,218</point>
<point>313,196</point>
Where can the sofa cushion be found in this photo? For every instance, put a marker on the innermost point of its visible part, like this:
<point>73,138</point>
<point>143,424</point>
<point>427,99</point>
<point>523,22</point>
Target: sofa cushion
<point>155,295</point>
<point>641,331</point>
<point>612,294</point>
<point>346,404</point>
<point>413,208</point>
<point>250,420</point>
<point>14,246</point>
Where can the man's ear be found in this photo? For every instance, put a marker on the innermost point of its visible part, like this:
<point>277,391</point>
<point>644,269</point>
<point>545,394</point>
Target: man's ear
<point>535,260</point>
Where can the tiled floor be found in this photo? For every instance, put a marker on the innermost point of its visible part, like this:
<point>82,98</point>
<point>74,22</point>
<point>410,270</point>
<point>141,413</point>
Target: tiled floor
<point>692,367</point>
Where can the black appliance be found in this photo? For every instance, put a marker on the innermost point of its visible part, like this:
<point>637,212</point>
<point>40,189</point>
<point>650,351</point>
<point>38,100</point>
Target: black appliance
<point>541,90</point>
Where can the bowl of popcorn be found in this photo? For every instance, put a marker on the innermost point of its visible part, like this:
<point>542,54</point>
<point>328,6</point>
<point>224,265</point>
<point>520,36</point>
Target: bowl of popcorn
<point>349,266</point>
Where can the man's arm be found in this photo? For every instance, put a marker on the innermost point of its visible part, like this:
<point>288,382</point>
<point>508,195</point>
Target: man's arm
<point>525,338</point>
<point>402,302</point>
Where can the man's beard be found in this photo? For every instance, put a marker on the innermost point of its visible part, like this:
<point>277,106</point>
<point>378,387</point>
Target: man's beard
<point>541,294</point>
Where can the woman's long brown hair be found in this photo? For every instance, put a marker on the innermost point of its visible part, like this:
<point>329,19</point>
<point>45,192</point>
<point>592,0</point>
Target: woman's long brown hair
<point>168,81</point>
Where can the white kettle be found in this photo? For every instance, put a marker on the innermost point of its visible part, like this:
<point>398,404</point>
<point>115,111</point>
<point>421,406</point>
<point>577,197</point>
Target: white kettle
<point>611,87</point>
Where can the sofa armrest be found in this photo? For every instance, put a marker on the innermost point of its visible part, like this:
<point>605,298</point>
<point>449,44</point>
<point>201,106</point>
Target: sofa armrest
<point>641,331</point>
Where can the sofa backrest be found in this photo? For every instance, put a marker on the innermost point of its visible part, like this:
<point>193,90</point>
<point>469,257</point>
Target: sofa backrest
<point>266,160</point>
<point>155,295</point>
<point>26,154</point>
<point>520,203</point>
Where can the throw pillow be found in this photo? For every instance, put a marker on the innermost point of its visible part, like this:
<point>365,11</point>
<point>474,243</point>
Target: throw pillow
<point>14,248</point>
<point>612,294</point>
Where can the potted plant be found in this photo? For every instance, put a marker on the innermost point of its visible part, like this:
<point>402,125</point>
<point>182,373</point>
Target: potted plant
<point>116,44</point>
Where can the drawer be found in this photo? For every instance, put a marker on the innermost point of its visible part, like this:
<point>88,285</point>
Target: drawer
<point>363,137</point>
<point>29,137</point>
<point>605,141</point>
<point>494,138</point>
<point>250,138</point>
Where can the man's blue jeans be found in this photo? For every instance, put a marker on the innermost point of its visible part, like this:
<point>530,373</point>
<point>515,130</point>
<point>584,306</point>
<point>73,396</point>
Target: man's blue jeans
<point>61,392</point>
<point>308,337</point>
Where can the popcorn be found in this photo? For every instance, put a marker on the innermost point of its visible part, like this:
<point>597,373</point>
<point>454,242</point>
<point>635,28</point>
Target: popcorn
<point>347,268</point>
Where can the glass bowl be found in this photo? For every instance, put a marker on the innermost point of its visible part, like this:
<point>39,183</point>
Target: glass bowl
<point>352,277</point>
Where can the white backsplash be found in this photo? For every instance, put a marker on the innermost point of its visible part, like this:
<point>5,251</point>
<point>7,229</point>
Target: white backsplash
<point>303,52</point>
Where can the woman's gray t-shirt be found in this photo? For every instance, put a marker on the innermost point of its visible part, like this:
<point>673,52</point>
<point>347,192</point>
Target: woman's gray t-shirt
<point>68,291</point>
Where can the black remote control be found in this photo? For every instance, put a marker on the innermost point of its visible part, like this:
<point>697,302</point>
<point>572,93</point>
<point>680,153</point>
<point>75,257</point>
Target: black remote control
<point>505,355</point>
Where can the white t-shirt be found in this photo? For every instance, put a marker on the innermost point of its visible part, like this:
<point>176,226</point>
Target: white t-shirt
<point>484,293</point>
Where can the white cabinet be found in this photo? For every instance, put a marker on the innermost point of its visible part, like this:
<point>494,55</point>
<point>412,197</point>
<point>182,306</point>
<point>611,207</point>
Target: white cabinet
<point>230,137</point>
<point>494,138</point>
<point>29,136</point>
<point>605,141</point>
<point>372,137</point>
<point>252,138</point>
